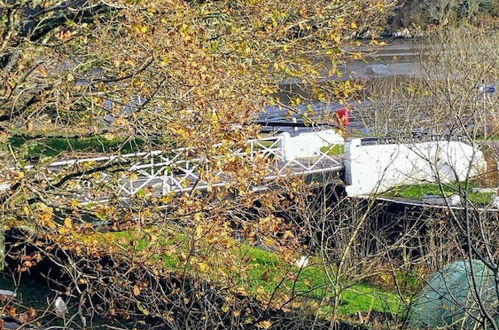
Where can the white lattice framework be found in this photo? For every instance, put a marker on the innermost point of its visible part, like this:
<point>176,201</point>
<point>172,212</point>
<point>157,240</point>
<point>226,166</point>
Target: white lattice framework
<point>179,170</point>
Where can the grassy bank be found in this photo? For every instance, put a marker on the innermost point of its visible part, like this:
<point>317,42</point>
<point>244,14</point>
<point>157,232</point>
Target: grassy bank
<point>416,192</point>
<point>335,150</point>
<point>51,147</point>
<point>253,271</point>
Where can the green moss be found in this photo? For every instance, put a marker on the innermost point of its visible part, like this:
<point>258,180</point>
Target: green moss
<point>265,144</point>
<point>417,192</point>
<point>50,147</point>
<point>363,297</point>
<point>335,149</point>
<point>488,138</point>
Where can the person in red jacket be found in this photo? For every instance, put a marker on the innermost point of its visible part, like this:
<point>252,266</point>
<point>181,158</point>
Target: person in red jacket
<point>343,117</point>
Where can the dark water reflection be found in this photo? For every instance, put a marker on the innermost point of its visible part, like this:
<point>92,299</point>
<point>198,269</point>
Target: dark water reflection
<point>397,59</point>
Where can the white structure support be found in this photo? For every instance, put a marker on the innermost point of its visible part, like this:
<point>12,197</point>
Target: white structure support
<point>371,169</point>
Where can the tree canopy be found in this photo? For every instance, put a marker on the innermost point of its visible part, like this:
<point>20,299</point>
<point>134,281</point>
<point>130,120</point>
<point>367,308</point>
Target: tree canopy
<point>166,73</point>
<point>169,74</point>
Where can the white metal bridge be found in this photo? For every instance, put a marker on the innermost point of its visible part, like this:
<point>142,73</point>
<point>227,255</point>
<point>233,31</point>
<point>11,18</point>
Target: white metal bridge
<point>179,170</point>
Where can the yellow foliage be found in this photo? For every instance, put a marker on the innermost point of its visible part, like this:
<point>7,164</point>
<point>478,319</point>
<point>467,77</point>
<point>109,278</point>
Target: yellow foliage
<point>136,290</point>
<point>264,324</point>
<point>68,223</point>
<point>203,267</point>
<point>46,217</point>
<point>206,69</point>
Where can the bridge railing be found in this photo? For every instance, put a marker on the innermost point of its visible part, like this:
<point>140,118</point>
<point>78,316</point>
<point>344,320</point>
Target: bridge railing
<point>180,173</point>
<point>321,162</point>
<point>180,170</point>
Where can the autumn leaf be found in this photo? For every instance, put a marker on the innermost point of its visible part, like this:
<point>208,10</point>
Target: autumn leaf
<point>264,324</point>
<point>265,275</point>
<point>11,311</point>
<point>68,223</point>
<point>43,72</point>
<point>136,290</point>
<point>144,310</point>
<point>27,316</point>
<point>203,267</point>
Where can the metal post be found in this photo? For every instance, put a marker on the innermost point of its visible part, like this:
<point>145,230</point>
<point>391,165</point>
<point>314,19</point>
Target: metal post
<point>485,90</point>
<point>485,121</point>
<point>165,188</point>
<point>152,164</point>
<point>2,247</point>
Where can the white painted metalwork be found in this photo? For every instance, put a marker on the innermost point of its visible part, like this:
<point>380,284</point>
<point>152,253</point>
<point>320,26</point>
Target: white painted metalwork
<point>179,170</point>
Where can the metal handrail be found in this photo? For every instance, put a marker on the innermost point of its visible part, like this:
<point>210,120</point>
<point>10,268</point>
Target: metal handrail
<point>171,170</point>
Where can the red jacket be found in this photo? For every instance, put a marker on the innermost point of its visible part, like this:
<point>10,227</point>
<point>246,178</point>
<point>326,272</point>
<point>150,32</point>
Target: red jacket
<point>343,117</point>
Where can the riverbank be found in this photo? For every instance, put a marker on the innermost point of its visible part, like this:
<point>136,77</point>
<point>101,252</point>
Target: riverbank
<point>252,274</point>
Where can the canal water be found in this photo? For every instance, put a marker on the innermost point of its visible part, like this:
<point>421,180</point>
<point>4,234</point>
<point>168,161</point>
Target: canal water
<point>399,58</point>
